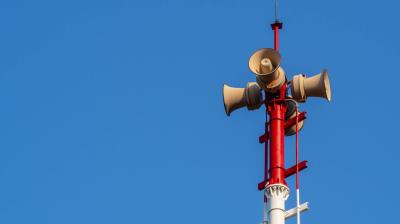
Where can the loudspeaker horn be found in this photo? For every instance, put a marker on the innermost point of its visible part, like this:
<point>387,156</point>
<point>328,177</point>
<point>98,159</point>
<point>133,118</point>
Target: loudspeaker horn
<point>315,86</point>
<point>265,64</point>
<point>291,113</point>
<point>235,98</point>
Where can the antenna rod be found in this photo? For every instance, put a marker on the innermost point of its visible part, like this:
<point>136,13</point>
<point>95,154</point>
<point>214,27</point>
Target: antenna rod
<point>276,27</point>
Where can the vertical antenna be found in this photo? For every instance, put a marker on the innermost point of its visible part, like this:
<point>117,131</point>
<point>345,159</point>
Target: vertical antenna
<point>276,26</point>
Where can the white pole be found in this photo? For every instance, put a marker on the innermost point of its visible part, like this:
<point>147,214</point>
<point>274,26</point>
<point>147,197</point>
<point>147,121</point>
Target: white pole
<point>277,194</point>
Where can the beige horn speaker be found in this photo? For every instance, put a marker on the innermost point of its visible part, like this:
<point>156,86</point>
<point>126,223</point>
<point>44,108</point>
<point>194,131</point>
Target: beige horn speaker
<point>235,98</point>
<point>265,64</point>
<point>291,113</point>
<point>315,86</point>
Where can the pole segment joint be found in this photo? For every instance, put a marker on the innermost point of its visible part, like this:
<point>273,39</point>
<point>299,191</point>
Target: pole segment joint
<point>277,25</point>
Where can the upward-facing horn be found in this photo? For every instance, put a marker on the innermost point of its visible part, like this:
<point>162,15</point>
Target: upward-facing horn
<point>265,64</point>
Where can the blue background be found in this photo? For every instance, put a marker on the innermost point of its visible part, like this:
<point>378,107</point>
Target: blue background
<point>111,111</point>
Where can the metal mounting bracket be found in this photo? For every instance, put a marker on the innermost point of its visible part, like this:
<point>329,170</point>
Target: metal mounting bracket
<point>292,212</point>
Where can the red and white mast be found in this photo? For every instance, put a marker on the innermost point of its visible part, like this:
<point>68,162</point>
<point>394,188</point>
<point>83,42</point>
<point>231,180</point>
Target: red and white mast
<point>276,189</point>
<point>282,119</point>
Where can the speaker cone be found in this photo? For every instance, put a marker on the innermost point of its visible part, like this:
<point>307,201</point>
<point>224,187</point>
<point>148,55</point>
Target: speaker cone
<point>315,86</point>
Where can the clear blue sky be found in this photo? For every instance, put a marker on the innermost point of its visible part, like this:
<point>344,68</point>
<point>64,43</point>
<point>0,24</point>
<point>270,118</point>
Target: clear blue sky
<point>111,111</point>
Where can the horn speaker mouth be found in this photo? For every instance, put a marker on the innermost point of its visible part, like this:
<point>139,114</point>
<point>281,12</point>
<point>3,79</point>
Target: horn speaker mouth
<point>327,84</point>
<point>257,62</point>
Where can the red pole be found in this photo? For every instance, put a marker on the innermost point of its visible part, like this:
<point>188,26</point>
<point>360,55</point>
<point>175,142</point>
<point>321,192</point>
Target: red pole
<point>274,136</point>
<point>276,111</point>
<point>276,27</point>
<point>277,133</point>
<point>276,38</point>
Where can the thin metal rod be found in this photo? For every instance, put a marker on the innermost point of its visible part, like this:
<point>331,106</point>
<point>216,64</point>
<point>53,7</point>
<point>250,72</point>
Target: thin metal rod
<point>297,148</point>
<point>297,168</point>
<point>266,151</point>
<point>265,220</point>
<point>276,38</point>
<point>266,162</point>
